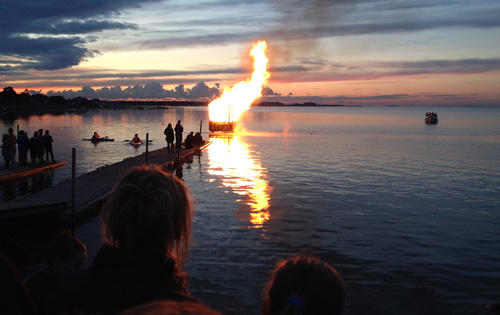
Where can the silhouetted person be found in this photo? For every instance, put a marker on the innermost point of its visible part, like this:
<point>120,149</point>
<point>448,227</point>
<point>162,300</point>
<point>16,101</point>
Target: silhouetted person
<point>5,149</point>
<point>47,143</point>
<point>198,140</point>
<point>189,141</point>
<point>32,146</point>
<point>136,139</point>
<point>40,147</point>
<point>169,137</point>
<point>9,148</point>
<point>146,223</point>
<point>304,285</point>
<point>22,145</point>
<point>178,135</point>
<point>95,137</point>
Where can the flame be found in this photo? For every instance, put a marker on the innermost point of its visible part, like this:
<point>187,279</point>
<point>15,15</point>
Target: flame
<point>235,101</point>
<point>230,158</point>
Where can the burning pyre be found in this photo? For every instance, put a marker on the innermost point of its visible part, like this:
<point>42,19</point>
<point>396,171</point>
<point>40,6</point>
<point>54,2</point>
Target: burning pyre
<point>226,110</point>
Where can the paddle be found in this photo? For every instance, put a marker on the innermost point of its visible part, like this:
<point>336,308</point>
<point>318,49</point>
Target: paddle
<point>141,140</point>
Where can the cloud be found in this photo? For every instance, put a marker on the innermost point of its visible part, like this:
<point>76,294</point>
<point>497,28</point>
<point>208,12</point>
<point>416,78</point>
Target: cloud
<point>51,35</point>
<point>374,69</point>
<point>150,90</point>
<point>267,91</point>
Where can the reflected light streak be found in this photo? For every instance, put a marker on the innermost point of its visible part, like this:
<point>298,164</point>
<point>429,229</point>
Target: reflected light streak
<point>230,159</point>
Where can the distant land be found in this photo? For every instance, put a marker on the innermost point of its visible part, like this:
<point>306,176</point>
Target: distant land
<point>13,104</point>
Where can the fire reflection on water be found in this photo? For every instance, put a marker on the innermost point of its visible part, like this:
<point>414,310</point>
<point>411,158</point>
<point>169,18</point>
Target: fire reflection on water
<point>230,159</point>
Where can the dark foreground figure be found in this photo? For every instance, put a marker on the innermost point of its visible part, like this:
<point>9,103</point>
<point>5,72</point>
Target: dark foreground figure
<point>304,285</point>
<point>147,213</point>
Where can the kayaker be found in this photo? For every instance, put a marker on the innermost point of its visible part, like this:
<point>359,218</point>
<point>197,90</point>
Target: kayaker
<point>136,139</point>
<point>95,136</point>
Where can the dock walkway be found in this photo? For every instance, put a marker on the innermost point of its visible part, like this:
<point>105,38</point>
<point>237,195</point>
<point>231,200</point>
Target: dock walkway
<point>91,188</point>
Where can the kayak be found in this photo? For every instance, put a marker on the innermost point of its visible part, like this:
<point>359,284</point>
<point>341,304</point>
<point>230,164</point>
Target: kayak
<point>99,139</point>
<point>136,143</point>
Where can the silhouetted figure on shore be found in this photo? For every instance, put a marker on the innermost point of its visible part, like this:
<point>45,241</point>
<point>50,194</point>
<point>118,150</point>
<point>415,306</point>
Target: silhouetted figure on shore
<point>169,137</point>
<point>178,135</point>
<point>304,285</point>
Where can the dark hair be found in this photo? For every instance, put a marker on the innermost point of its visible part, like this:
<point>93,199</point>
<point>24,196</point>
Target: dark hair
<point>149,210</point>
<point>305,285</point>
<point>64,246</point>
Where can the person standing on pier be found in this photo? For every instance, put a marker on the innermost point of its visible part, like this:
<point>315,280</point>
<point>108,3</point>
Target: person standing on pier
<point>9,148</point>
<point>169,136</point>
<point>40,147</point>
<point>32,146</point>
<point>178,135</point>
<point>47,143</point>
<point>5,149</point>
<point>22,145</point>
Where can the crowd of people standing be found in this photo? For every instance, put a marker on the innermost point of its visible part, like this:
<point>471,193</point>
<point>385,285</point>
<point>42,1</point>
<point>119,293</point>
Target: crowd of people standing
<point>189,142</point>
<point>39,147</point>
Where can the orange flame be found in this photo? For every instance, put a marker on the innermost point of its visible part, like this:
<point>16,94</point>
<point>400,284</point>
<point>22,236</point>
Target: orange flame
<point>233,102</point>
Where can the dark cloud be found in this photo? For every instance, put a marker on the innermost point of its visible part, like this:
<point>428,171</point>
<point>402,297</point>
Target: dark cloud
<point>49,35</point>
<point>298,25</point>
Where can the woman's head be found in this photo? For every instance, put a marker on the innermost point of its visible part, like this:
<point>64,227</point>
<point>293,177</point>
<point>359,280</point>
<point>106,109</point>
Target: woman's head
<point>304,285</point>
<point>149,210</point>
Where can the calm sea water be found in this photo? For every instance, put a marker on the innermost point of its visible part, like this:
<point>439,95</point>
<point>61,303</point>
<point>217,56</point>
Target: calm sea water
<point>408,213</point>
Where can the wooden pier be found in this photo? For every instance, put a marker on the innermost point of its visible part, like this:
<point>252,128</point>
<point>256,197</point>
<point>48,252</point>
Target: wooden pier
<point>91,188</point>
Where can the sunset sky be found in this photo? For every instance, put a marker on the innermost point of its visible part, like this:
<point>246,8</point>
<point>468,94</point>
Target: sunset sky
<point>367,52</point>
